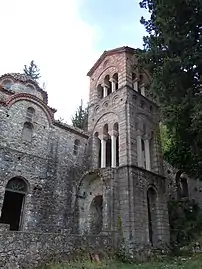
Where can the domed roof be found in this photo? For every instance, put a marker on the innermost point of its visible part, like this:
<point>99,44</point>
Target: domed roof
<point>17,77</point>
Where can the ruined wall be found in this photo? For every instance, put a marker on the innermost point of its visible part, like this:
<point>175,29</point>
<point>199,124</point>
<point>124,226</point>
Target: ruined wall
<point>29,250</point>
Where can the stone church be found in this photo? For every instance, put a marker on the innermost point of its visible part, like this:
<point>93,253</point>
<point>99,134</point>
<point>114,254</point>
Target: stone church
<point>54,176</point>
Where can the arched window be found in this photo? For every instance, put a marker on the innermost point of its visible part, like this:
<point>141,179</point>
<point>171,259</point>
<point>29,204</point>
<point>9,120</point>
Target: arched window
<point>116,129</point>
<point>30,87</point>
<point>30,114</point>
<point>108,84</point>
<point>115,85</point>
<point>134,82</point>
<point>27,131</point>
<point>13,204</point>
<point>141,88</point>
<point>100,91</point>
<point>143,154</point>
<point>7,83</point>
<point>76,146</point>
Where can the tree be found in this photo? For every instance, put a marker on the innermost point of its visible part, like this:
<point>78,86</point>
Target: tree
<point>173,54</point>
<point>32,71</point>
<point>80,119</point>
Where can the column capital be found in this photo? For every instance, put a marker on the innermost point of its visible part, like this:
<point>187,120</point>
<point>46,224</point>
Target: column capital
<point>113,133</point>
<point>103,137</point>
<point>104,85</point>
<point>142,85</point>
<point>139,133</point>
<point>112,80</point>
<point>147,137</point>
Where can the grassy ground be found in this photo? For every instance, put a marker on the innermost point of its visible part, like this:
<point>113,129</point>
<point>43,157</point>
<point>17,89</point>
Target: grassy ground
<point>194,262</point>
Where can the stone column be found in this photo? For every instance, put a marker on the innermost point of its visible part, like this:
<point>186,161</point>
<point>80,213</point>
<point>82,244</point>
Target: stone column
<point>105,90</point>
<point>113,82</point>
<point>113,135</point>
<point>139,149</point>
<point>142,89</point>
<point>147,153</point>
<point>135,85</point>
<point>103,153</point>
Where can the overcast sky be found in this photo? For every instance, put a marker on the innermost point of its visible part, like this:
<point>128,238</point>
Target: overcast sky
<point>65,38</point>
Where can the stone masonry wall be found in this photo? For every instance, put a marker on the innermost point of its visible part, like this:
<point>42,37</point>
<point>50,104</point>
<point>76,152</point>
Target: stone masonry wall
<point>133,185</point>
<point>46,164</point>
<point>20,250</point>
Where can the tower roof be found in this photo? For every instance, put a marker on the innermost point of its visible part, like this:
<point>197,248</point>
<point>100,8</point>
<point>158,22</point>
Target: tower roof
<point>108,53</point>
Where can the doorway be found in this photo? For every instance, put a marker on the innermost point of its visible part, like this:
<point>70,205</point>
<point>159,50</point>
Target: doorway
<point>13,204</point>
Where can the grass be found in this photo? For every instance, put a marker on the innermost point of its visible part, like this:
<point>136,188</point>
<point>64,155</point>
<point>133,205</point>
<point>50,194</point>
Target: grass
<point>194,262</point>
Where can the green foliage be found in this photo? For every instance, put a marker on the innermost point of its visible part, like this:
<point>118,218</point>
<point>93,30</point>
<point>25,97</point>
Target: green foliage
<point>32,71</point>
<point>177,263</point>
<point>185,222</point>
<point>80,119</point>
<point>173,55</point>
<point>165,140</point>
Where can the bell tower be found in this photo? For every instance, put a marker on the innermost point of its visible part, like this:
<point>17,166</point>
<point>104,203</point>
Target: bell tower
<point>122,115</point>
<point>124,124</point>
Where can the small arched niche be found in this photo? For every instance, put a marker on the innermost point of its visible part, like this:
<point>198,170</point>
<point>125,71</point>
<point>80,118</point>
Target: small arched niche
<point>76,146</point>
<point>13,204</point>
<point>27,132</point>
<point>30,114</point>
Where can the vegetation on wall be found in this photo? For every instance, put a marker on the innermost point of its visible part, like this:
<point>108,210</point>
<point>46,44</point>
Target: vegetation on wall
<point>173,55</point>
<point>185,219</point>
<point>32,71</point>
<point>80,119</point>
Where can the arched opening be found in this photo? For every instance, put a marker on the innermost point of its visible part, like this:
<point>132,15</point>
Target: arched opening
<point>108,84</point>
<point>108,153</point>
<point>30,113</point>
<point>100,91</point>
<point>98,148</point>
<point>108,145</point>
<point>116,129</point>
<point>141,89</point>
<point>13,204</point>
<point>151,206</point>
<point>178,185</point>
<point>143,154</point>
<point>105,129</point>
<point>90,203</point>
<point>115,81</point>
<point>96,215</point>
<point>27,132</point>
<point>134,82</point>
<point>184,188</point>
<point>76,146</point>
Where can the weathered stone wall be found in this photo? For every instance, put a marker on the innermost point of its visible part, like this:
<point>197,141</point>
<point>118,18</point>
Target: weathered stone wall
<point>47,164</point>
<point>29,250</point>
<point>125,205</point>
<point>134,183</point>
